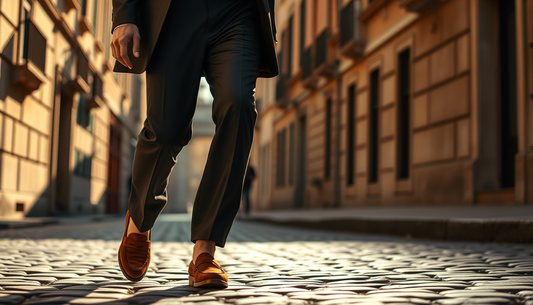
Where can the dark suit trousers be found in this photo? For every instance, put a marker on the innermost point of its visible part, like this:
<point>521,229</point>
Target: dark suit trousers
<point>220,38</point>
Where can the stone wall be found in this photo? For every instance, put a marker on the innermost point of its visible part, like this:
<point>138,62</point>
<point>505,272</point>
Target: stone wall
<point>453,101</point>
<point>33,129</point>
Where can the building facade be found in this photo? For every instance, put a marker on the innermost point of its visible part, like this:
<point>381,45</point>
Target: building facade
<point>68,123</point>
<point>397,102</point>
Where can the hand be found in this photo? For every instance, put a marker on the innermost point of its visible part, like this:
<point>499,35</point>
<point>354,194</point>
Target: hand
<point>129,33</point>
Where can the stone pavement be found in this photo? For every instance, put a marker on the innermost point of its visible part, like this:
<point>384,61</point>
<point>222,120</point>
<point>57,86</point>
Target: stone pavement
<point>484,223</point>
<point>73,263</point>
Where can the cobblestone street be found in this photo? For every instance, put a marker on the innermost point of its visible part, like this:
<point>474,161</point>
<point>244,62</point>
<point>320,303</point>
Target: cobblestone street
<point>76,263</point>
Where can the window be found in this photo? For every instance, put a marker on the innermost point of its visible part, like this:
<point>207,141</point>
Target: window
<point>33,42</point>
<point>350,150</point>
<point>327,146</point>
<point>302,29</point>
<point>403,120</point>
<point>84,117</point>
<point>281,149</point>
<point>98,89</point>
<point>292,141</point>
<point>82,164</point>
<point>373,138</point>
<point>24,27</point>
<point>84,7</point>
<point>347,23</point>
<point>83,66</point>
<point>95,14</point>
<point>321,48</point>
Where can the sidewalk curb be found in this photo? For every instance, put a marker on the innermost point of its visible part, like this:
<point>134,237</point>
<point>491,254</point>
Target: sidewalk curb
<point>479,230</point>
<point>29,222</point>
<point>24,223</point>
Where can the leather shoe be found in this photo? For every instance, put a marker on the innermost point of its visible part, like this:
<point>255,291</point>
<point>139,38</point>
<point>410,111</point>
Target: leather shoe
<point>207,273</point>
<point>134,253</point>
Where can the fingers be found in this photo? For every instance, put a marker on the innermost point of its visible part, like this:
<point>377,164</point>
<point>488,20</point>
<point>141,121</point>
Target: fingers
<point>112,49</point>
<point>123,53</point>
<point>136,44</point>
<point>116,48</point>
<point>119,43</point>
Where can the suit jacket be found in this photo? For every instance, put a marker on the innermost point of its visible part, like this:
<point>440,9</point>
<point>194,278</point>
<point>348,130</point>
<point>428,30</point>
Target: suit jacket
<point>149,15</point>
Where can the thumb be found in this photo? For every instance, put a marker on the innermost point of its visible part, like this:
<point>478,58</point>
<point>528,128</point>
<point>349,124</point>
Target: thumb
<point>136,44</point>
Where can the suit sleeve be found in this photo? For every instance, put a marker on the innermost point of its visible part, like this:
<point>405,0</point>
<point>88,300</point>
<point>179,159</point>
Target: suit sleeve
<point>272,18</point>
<point>124,11</point>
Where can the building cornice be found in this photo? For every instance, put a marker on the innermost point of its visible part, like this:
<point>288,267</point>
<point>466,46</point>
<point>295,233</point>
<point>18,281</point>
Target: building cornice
<point>52,11</point>
<point>390,32</point>
<point>372,9</point>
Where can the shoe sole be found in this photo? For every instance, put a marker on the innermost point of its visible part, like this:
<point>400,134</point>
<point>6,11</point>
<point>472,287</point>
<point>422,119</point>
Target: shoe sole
<point>209,283</point>
<point>126,274</point>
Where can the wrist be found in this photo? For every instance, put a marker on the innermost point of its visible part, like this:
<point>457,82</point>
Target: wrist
<point>120,25</point>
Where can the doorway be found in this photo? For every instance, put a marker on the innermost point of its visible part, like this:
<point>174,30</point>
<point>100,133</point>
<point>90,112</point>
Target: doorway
<point>300,187</point>
<point>497,103</point>
<point>64,173</point>
<point>113,168</point>
<point>508,111</point>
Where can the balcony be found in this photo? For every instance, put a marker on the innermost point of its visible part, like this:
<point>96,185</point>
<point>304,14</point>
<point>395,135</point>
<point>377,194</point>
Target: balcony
<point>324,62</point>
<point>351,42</point>
<point>83,22</point>
<point>85,25</point>
<point>416,6</point>
<point>30,72</point>
<point>308,79</point>
<point>71,4</point>
<point>281,91</point>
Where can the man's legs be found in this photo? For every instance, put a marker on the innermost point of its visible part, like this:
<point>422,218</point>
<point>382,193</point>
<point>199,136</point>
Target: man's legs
<point>231,68</point>
<point>229,55</point>
<point>172,81</point>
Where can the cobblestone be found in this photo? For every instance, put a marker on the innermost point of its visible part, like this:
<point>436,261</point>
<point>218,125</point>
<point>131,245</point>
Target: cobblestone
<point>267,264</point>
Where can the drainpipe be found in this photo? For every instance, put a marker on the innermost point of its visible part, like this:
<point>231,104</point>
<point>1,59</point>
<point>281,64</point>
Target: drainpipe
<point>337,199</point>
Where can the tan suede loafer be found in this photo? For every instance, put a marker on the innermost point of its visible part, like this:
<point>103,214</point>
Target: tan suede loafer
<point>134,253</point>
<point>207,273</point>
